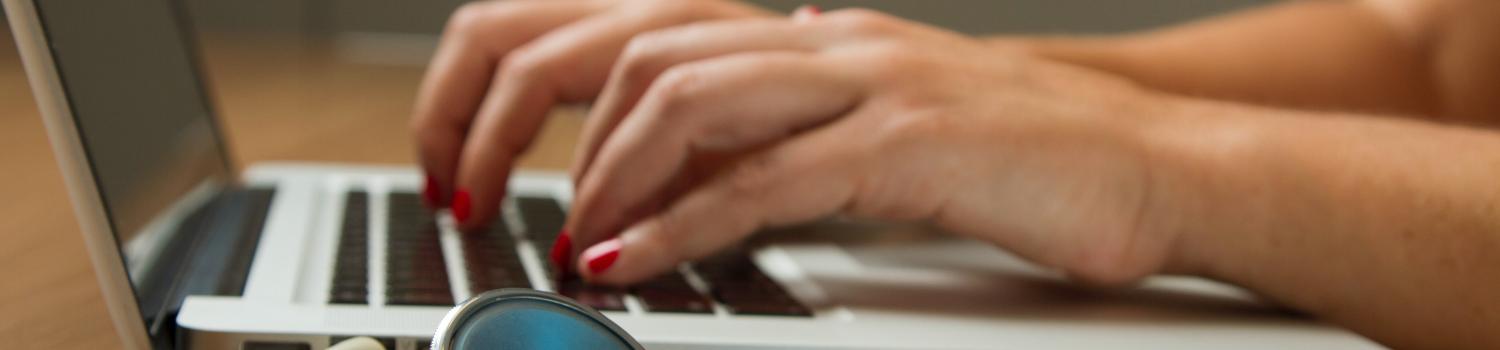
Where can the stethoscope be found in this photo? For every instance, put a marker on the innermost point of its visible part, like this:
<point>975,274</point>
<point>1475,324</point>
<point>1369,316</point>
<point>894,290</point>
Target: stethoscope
<point>519,319</point>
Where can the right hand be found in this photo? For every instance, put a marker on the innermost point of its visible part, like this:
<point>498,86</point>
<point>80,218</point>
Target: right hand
<point>861,114</point>
<point>500,68</point>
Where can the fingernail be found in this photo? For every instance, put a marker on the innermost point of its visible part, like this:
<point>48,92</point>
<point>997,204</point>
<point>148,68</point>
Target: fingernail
<point>430,194</point>
<point>806,12</point>
<point>460,206</point>
<point>561,249</point>
<point>601,256</point>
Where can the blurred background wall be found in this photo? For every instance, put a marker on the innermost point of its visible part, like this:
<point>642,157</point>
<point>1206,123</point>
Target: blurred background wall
<point>366,25</point>
<point>972,16</point>
<point>404,31</point>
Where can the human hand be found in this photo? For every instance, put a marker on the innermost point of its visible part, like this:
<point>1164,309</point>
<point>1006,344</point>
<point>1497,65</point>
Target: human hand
<point>862,114</point>
<point>499,69</point>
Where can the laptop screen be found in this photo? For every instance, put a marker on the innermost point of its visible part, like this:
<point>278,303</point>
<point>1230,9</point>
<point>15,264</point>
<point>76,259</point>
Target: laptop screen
<point>128,71</point>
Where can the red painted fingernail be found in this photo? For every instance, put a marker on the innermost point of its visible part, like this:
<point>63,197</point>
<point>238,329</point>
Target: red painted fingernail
<point>602,256</point>
<point>561,249</point>
<point>430,194</point>
<point>460,206</point>
<point>806,12</point>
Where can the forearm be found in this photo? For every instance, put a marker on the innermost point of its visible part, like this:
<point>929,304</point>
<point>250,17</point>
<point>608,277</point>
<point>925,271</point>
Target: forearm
<point>1389,227</point>
<point>1341,55</point>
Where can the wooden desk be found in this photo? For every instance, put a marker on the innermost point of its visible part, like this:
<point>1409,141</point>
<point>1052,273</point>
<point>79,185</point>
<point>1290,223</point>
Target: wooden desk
<point>278,98</point>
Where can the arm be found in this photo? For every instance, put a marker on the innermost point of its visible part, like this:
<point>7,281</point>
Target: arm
<point>1411,57</point>
<point>1384,226</point>
<point>1388,227</point>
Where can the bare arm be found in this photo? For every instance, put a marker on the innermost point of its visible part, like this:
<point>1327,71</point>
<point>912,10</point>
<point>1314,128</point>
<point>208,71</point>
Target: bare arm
<point>1421,58</point>
<point>1389,227</point>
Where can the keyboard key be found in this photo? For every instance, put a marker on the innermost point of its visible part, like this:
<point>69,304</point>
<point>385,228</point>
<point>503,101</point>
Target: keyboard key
<point>728,266</point>
<point>767,299</point>
<point>346,284</point>
<point>416,279</point>
<point>604,298</point>
<point>671,293</point>
<point>351,260</point>
<point>769,308</point>
<point>543,218</point>
<point>416,273</point>
<point>349,296</point>
<point>672,301</point>
<point>496,279</point>
<point>491,260</point>
<point>419,297</point>
<point>738,283</point>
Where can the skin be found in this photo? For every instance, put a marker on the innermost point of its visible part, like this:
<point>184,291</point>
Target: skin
<point>1209,149</point>
<point>1412,58</point>
<point>502,65</point>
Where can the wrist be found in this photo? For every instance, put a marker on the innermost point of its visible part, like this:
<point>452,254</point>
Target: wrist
<point>1144,173</point>
<point>1106,53</point>
<point>1202,182</point>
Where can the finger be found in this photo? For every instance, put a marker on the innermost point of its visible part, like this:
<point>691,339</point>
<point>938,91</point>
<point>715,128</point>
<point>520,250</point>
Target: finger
<point>476,37</point>
<point>810,176</point>
<point>806,12</point>
<point>723,104</point>
<point>566,65</point>
<point>647,56</point>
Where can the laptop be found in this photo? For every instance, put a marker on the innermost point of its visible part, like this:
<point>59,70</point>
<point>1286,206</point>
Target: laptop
<point>193,251</point>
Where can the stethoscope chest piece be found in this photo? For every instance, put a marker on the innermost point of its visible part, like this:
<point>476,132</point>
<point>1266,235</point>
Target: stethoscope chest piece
<point>527,319</point>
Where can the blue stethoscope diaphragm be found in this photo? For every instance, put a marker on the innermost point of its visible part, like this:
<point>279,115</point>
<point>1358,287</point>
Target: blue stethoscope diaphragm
<point>527,319</point>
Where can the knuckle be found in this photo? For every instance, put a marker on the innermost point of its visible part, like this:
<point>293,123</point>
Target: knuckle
<point>863,21</point>
<point>507,147</point>
<point>470,18</point>
<point>493,148</point>
<point>915,104</point>
<point>895,62</point>
<point>674,90</point>
<point>667,234</point>
<point>750,178</point>
<point>907,129</point>
<point>676,10</point>
<point>526,65</point>
<point>643,58</point>
<point>428,137</point>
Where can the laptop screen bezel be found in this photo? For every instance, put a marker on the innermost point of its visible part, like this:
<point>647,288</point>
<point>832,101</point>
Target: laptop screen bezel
<point>55,107</point>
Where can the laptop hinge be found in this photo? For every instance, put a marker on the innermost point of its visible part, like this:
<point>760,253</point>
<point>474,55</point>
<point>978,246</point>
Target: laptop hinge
<point>209,255</point>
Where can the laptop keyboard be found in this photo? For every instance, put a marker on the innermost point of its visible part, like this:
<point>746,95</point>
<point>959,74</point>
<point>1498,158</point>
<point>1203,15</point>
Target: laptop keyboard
<point>414,267</point>
<point>671,293</point>
<point>544,218</point>
<point>492,261</point>
<point>416,273</point>
<point>351,270</point>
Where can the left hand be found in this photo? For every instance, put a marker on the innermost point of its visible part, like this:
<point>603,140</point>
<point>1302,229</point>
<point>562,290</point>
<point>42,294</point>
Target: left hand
<point>859,113</point>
